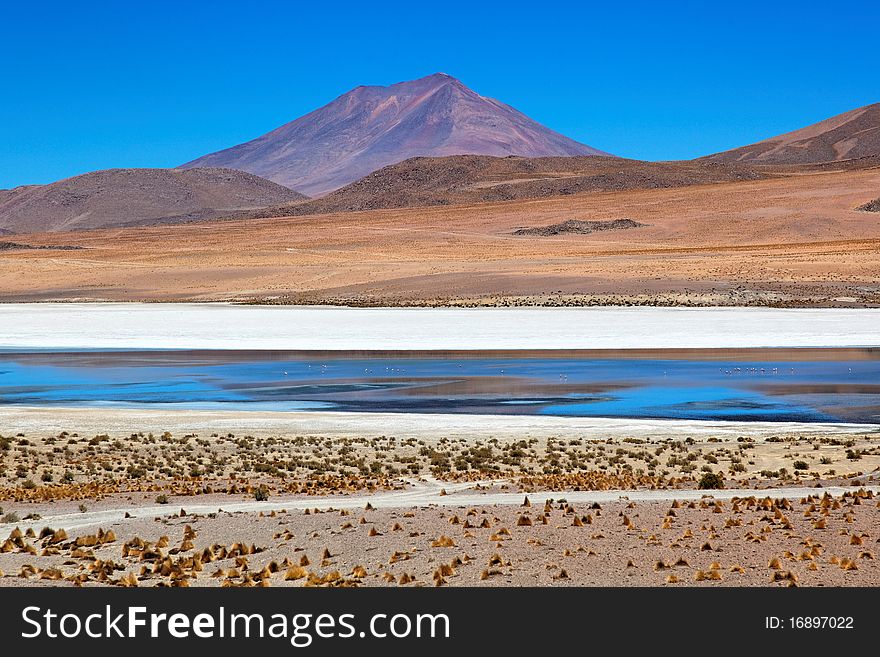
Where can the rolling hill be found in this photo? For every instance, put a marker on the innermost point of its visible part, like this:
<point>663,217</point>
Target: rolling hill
<point>851,135</point>
<point>470,179</point>
<point>129,197</point>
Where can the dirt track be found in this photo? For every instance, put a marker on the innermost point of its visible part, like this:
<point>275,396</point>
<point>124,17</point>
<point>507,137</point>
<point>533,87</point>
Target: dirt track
<point>421,494</point>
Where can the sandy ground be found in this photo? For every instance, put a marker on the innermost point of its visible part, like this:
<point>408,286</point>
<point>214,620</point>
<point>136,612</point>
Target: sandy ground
<point>411,494</point>
<point>51,454</point>
<point>752,540</point>
<point>791,241</point>
<point>440,502</point>
<point>222,326</point>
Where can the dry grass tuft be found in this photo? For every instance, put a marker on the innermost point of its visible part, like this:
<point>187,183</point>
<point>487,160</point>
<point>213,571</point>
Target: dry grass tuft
<point>443,542</point>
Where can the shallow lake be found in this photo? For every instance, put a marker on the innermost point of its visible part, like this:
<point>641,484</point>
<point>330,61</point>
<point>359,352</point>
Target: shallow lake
<point>831,385</point>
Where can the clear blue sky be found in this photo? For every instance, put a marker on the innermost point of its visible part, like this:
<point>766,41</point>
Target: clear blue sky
<point>96,85</point>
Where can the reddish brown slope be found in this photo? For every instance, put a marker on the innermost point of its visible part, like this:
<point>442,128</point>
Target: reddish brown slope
<point>851,135</point>
<point>121,197</point>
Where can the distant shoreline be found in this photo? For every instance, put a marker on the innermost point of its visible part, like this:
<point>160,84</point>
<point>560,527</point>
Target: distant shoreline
<point>430,427</point>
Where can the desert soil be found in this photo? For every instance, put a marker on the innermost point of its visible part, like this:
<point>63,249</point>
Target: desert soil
<point>793,241</point>
<point>797,507</point>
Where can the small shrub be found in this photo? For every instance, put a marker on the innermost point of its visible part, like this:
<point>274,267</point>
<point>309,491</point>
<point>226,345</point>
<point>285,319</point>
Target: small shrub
<point>711,480</point>
<point>10,517</point>
<point>136,472</point>
<point>162,499</point>
<point>801,465</point>
<point>83,508</point>
<point>261,494</point>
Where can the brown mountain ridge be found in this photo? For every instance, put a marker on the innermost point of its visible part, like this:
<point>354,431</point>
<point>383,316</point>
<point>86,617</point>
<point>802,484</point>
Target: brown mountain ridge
<point>471,179</point>
<point>128,197</point>
<point>851,135</point>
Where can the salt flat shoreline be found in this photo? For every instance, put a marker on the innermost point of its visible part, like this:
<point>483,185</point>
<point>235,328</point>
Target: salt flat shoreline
<point>226,326</point>
<point>424,426</point>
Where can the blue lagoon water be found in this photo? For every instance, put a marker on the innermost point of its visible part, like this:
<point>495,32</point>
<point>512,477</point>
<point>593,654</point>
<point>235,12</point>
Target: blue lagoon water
<point>781,385</point>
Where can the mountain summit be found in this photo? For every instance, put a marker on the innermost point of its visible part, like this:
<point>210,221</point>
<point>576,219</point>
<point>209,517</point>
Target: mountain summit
<point>371,127</point>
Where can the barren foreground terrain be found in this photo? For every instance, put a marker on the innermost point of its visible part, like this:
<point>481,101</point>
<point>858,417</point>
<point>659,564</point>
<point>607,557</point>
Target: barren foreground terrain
<point>270,508</point>
<point>795,240</point>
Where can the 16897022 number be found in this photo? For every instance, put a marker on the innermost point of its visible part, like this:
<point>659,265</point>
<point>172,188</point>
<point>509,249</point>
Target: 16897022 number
<point>821,622</point>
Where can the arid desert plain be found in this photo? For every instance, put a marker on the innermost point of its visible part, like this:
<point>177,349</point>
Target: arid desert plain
<point>787,240</point>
